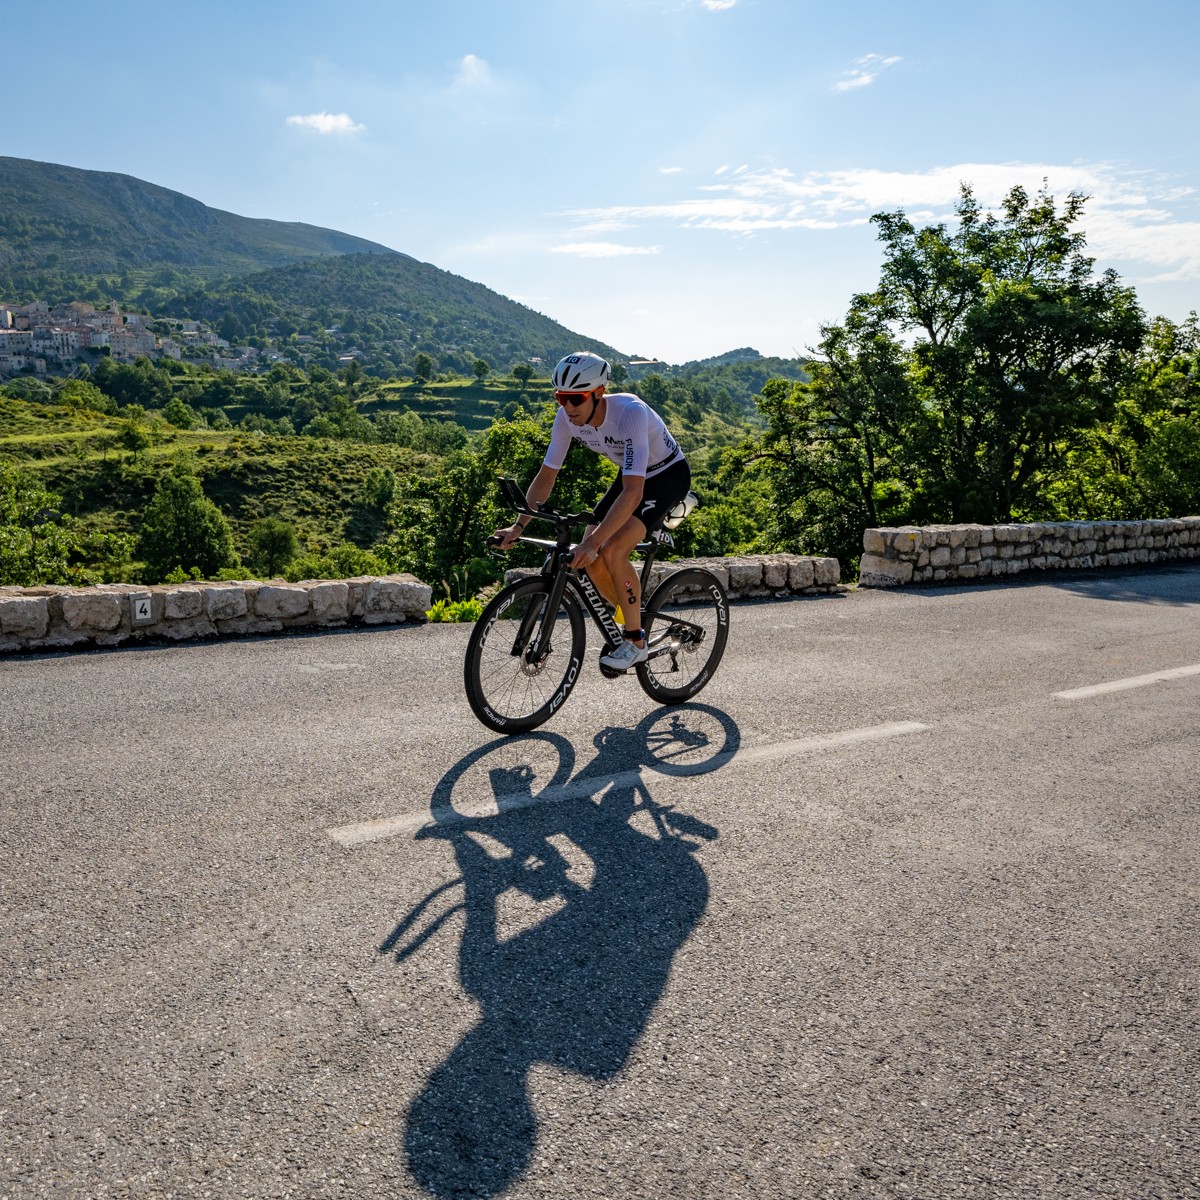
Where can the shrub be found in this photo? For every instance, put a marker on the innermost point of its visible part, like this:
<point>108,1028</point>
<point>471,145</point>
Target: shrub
<point>455,610</point>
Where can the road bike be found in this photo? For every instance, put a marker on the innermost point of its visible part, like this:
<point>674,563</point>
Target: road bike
<point>526,650</point>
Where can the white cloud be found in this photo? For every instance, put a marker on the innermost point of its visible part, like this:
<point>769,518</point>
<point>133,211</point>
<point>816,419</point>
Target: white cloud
<point>603,249</point>
<point>865,71</point>
<point>717,5</point>
<point>323,122</point>
<point>1129,217</point>
<point>670,170</point>
<point>473,71</point>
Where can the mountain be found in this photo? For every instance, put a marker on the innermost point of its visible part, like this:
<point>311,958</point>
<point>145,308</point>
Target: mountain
<point>70,234</point>
<point>392,307</point>
<point>99,223</point>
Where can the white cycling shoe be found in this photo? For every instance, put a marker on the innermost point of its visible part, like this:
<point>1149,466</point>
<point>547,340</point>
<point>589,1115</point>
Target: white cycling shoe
<point>626,655</point>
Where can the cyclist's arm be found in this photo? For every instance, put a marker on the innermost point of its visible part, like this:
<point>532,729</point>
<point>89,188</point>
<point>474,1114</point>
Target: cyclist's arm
<point>539,490</point>
<point>538,493</point>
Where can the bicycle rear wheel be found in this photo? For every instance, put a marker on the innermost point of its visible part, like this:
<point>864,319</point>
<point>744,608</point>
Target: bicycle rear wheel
<point>522,661</point>
<point>686,621</point>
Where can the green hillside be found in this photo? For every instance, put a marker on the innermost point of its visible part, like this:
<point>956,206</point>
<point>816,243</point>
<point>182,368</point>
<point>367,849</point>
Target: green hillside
<point>390,307</point>
<point>68,234</point>
<point>62,221</point>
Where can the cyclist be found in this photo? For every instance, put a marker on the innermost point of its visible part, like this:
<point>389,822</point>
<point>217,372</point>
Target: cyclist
<point>652,477</point>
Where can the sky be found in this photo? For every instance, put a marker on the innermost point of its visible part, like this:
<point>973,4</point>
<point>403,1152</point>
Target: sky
<point>675,178</point>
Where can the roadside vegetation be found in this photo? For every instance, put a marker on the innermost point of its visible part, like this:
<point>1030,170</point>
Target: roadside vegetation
<point>993,375</point>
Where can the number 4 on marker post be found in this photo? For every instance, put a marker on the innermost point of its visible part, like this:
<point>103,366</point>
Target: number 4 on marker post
<point>140,608</point>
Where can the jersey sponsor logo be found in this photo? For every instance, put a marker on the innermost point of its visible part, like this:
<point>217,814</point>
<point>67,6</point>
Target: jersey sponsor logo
<point>612,441</point>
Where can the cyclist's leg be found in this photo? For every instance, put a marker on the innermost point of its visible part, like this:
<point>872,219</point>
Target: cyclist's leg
<point>659,495</point>
<point>616,558</point>
<point>597,571</point>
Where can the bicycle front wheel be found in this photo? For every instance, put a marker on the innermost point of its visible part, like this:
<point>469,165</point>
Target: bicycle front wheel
<point>523,660</point>
<point>686,621</point>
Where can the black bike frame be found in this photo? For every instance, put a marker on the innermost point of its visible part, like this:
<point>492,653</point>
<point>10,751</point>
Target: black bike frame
<point>562,575</point>
<point>557,568</point>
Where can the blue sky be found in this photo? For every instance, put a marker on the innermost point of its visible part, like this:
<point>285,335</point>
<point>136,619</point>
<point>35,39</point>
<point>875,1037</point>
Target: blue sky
<point>674,177</point>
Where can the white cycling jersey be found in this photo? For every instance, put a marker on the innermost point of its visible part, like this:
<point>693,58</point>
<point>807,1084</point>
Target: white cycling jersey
<point>633,436</point>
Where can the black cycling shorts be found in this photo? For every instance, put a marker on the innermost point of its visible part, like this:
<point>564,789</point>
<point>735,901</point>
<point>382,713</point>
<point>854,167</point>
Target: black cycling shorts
<point>659,495</point>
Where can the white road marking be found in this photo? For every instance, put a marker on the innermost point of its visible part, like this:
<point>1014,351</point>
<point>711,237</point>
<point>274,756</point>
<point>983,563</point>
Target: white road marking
<point>1121,685</point>
<point>590,785</point>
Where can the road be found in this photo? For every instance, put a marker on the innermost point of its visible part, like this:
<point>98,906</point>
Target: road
<point>883,914</point>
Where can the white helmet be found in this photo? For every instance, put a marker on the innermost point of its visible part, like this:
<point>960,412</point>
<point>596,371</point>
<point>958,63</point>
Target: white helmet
<point>581,372</point>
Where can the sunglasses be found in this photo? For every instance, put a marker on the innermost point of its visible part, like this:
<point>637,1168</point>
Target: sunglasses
<point>574,399</point>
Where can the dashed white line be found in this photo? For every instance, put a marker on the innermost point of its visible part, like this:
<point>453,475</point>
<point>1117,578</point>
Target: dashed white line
<point>1121,685</point>
<point>590,785</point>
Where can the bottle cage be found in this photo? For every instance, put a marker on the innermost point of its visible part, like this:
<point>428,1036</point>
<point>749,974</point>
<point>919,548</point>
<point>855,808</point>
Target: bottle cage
<point>676,516</point>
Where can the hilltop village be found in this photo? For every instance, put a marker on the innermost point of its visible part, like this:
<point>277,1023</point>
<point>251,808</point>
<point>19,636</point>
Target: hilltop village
<point>40,339</point>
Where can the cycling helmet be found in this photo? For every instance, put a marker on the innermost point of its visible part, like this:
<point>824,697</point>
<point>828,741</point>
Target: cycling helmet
<point>580,372</point>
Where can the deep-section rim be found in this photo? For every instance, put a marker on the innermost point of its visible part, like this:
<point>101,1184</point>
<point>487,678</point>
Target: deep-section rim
<point>710,595</point>
<point>551,698</point>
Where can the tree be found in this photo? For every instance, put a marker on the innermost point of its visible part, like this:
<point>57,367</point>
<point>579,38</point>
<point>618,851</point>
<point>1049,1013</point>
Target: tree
<point>423,368</point>
<point>481,368</point>
<point>273,546</point>
<point>41,545</point>
<point>522,373</point>
<point>78,393</point>
<point>1016,345</point>
<point>842,449</point>
<point>181,415</point>
<point>619,375</point>
<point>182,528</point>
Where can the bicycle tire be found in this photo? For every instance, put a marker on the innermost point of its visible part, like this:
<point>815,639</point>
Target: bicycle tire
<point>506,692</point>
<point>689,614</point>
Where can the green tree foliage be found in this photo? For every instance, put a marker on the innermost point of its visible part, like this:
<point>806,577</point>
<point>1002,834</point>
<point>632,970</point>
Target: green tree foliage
<point>481,368</point>
<point>522,373</point>
<point>132,383</point>
<point>182,528</point>
<point>41,545</point>
<point>340,562</point>
<point>1143,461</point>
<point>81,393</point>
<point>842,451</point>
<point>423,368</point>
<point>1017,344</point>
<point>273,546</point>
<point>443,521</point>
<point>959,389</point>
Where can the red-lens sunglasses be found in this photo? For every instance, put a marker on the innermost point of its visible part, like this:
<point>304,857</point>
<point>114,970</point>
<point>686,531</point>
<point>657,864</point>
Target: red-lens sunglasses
<point>574,399</point>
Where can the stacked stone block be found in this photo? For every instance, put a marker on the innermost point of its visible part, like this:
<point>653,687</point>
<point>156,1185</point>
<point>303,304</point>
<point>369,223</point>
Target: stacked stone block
<point>748,576</point>
<point>950,553</point>
<point>51,618</point>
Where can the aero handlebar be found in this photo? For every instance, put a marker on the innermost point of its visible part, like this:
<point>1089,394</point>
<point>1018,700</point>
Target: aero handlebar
<point>515,499</point>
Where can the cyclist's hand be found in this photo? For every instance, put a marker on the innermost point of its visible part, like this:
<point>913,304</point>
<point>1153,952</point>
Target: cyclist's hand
<point>505,539</point>
<point>585,554</point>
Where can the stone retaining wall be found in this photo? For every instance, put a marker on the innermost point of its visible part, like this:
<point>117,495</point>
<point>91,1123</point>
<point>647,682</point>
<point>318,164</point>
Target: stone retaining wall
<point>748,576</point>
<point>59,618</point>
<point>950,553</point>
<point>53,618</point>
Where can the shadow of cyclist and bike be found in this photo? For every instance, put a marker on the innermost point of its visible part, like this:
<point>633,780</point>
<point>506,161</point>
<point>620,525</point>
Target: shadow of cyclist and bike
<point>611,879</point>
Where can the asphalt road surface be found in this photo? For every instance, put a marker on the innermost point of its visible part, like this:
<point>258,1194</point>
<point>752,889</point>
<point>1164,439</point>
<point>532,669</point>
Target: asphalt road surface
<point>904,905</point>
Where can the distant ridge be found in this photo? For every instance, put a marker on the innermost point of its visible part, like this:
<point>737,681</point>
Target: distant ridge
<point>70,234</point>
<point>97,222</point>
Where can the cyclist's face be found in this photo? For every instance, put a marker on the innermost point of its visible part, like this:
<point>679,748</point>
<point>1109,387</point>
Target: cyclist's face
<point>575,404</point>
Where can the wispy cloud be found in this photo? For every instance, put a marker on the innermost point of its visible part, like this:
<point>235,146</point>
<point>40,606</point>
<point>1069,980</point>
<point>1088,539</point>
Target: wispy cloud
<point>670,170</point>
<point>473,72</point>
<point>603,249</point>
<point>718,5</point>
<point>1130,217</point>
<point>327,123</point>
<point>865,71</point>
